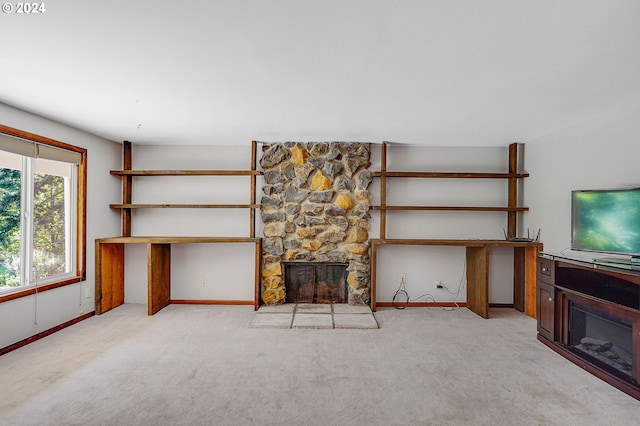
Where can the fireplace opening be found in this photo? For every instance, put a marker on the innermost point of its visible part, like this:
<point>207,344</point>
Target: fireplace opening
<point>602,338</point>
<point>315,282</point>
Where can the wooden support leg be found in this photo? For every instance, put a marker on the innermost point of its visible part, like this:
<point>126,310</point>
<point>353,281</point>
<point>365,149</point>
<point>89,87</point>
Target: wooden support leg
<point>374,273</point>
<point>159,276</point>
<point>109,276</point>
<point>518,278</point>
<point>478,280</point>
<point>531,268</point>
<point>524,279</point>
<point>258,274</point>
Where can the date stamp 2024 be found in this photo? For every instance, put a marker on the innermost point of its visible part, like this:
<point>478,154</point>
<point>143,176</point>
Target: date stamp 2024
<point>24,8</point>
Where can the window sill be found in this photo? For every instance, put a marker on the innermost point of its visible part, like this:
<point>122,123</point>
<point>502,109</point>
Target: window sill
<point>23,292</point>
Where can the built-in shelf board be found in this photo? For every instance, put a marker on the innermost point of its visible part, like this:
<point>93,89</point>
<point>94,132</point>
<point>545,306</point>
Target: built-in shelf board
<point>451,175</point>
<point>174,240</point>
<point>184,206</point>
<point>454,208</point>
<point>185,172</point>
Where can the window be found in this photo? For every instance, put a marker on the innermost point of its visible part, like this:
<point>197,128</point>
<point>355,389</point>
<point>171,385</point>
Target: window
<point>42,205</point>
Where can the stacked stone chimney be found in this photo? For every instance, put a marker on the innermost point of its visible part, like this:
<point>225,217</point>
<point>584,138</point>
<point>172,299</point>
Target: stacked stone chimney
<point>315,208</point>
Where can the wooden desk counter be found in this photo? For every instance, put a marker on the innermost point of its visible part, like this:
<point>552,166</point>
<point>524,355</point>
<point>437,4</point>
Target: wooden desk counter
<point>525,256</point>
<point>110,268</point>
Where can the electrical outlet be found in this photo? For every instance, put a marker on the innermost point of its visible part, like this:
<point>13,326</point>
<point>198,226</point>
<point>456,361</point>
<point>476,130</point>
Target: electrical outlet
<point>201,282</point>
<point>439,284</point>
<point>403,278</point>
<point>87,292</point>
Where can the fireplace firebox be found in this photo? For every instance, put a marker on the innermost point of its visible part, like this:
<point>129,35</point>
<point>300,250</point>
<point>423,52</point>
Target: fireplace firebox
<point>315,282</point>
<point>601,338</point>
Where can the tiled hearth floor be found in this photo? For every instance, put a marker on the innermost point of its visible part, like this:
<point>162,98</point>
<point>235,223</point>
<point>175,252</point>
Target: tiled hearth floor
<point>304,315</point>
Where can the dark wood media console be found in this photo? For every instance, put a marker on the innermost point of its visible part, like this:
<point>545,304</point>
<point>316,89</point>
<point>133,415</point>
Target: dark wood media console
<point>589,313</point>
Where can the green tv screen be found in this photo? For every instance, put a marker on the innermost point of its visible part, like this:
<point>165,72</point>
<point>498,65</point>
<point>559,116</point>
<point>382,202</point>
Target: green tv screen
<point>606,221</point>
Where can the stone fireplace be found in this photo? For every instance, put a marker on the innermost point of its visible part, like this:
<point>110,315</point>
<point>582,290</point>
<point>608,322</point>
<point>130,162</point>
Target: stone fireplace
<point>315,210</point>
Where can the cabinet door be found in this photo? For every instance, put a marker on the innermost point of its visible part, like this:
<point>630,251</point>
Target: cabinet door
<point>546,309</point>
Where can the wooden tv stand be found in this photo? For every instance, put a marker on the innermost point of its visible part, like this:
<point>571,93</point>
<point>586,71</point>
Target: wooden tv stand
<point>582,303</point>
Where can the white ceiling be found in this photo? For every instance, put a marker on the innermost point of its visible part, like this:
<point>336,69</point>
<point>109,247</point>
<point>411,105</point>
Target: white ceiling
<point>230,71</point>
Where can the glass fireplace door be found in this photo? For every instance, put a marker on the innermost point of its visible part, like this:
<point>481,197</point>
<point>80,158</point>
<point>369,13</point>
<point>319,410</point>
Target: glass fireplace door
<point>602,338</point>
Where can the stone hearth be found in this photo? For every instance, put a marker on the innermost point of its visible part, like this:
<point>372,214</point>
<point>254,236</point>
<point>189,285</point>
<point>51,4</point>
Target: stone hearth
<point>315,208</point>
<point>319,316</point>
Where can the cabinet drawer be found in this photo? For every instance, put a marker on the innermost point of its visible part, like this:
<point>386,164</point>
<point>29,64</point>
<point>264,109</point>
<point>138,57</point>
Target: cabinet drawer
<point>546,270</point>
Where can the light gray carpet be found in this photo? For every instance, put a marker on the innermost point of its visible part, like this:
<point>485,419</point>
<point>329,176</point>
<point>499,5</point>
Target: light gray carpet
<point>204,365</point>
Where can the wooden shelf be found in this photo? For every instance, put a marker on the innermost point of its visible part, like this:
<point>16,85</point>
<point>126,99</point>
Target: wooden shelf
<point>451,175</point>
<point>184,206</point>
<point>454,208</point>
<point>110,252</point>
<point>185,172</point>
<point>454,242</point>
<point>512,177</point>
<point>127,173</point>
<point>477,250</point>
<point>174,240</point>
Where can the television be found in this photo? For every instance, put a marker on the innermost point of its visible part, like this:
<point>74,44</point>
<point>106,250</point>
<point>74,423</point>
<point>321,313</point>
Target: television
<point>607,221</point>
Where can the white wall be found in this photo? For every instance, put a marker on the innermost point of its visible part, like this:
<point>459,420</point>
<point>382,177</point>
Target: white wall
<point>27,316</point>
<point>601,153</point>
<point>424,265</point>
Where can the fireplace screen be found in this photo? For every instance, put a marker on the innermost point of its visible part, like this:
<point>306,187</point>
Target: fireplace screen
<point>316,282</point>
<point>602,338</point>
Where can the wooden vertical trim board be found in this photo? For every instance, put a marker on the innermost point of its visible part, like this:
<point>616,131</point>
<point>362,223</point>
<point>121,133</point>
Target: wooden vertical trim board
<point>127,188</point>
<point>252,211</point>
<point>512,215</point>
<point>383,190</point>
